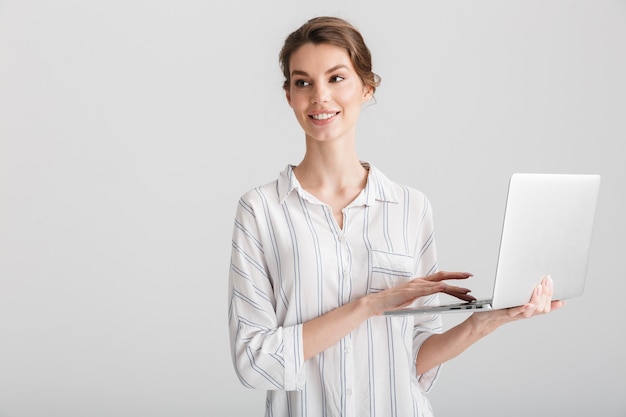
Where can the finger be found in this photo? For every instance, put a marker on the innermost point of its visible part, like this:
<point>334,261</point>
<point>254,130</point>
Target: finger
<point>422,283</point>
<point>420,288</point>
<point>454,288</point>
<point>540,302</point>
<point>464,297</point>
<point>539,291</point>
<point>554,305</point>
<point>460,293</point>
<point>541,298</point>
<point>549,290</point>
<point>444,275</point>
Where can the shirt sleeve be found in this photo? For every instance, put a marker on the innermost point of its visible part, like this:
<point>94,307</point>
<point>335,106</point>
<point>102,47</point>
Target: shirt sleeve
<point>427,324</point>
<point>265,354</point>
<point>421,334</point>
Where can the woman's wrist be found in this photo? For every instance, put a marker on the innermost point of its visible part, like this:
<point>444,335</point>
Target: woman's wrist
<point>366,306</point>
<point>486,322</point>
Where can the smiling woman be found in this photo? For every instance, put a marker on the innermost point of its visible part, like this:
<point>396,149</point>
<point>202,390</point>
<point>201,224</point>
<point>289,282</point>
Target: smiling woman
<point>320,253</point>
<point>326,97</point>
<point>330,31</point>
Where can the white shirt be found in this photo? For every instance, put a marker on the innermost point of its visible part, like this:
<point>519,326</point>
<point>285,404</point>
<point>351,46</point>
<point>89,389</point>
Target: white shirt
<point>291,263</point>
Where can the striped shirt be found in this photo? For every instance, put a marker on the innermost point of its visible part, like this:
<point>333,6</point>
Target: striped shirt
<point>291,263</point>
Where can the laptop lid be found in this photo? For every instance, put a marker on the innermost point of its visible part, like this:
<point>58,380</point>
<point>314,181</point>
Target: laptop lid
<point>547,230</point>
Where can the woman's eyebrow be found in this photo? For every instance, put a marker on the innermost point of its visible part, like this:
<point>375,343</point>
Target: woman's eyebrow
<point>305,74</point>
<point>336,67</point>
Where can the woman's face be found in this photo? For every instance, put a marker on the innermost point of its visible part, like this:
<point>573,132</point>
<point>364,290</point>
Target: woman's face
<point>325,92</point>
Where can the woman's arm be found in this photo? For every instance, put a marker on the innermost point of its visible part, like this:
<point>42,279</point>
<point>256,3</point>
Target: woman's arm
<point>440,348</point>
<point>324,331</point>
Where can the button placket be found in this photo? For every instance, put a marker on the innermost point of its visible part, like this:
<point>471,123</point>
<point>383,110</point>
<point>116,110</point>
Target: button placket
<point>345,269</point>
<point>349,376</point>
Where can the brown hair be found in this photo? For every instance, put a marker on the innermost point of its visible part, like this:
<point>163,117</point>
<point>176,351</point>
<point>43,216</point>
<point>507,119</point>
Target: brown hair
<point>333,31</point>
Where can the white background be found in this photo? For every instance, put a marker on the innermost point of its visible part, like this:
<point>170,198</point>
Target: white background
<point>128,130</point>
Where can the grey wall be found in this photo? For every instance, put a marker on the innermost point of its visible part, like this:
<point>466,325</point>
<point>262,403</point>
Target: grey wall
<point>128,129</point>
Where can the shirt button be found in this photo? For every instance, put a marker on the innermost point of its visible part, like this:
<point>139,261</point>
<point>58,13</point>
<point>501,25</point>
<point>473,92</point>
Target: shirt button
<point>349,391</point>
<point>348,350</point>
<point>342,238</point>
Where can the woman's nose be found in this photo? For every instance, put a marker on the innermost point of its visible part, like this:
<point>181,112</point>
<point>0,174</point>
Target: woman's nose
<point>320,94</point>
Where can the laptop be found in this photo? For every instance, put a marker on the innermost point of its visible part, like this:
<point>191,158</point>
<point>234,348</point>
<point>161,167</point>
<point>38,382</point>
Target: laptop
<point>547,228</point>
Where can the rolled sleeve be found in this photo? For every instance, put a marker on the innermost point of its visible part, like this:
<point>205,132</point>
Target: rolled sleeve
<point>270,360</point>
<point>266,354</point>
<point>427,324</point>
<point>427,379</point>
<point>294,360</point>
<point>425,327</point>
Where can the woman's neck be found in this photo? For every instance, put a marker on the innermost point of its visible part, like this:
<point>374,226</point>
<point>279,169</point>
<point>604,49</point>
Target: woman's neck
<point>330,166</point>
<point>332,172</point>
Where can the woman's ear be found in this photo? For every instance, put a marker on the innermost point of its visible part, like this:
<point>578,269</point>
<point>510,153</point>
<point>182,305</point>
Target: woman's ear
<point>288,97</point>
<point>368,93</point>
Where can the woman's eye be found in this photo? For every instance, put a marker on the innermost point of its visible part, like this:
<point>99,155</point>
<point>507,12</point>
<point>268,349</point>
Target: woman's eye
<point>336,78</point>
<point>301,83</point>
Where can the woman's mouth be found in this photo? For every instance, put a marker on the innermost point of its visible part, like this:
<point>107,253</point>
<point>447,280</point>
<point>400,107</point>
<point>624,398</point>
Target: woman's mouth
<point>323,116</point>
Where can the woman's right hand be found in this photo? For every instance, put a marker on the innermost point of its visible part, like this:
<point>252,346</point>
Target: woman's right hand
<point>404,294</point>
<point>324,331</point>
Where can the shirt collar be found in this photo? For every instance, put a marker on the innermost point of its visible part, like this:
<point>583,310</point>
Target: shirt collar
<point>378,187</point>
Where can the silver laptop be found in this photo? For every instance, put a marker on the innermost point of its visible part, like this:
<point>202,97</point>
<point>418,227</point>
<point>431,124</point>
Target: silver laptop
<point>547,228</point>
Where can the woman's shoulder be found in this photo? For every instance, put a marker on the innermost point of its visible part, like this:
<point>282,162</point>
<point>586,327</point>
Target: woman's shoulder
<point>260,192</point>
<point>394,189</point>
<point>269,192</point>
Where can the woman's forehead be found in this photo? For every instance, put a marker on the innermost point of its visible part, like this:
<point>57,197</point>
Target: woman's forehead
<point>319,57</point>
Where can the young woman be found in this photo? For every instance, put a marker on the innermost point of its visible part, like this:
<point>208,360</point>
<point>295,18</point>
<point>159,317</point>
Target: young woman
<point>321,252</point>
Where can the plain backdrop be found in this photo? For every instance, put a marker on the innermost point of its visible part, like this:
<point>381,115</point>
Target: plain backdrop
<point>129,129</point>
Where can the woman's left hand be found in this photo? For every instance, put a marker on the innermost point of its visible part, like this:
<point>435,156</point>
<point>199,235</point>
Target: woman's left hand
<point>440,348</point>
<point>541,302</point>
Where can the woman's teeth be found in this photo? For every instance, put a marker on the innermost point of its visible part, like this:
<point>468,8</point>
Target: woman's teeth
<point>323,116</point>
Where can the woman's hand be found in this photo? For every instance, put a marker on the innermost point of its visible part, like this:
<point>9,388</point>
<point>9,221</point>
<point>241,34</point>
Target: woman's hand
<point>324,331</point>
<point>541,302</point>
<point>404,294</point>
<point>440,348</point>
<point>458,292</point>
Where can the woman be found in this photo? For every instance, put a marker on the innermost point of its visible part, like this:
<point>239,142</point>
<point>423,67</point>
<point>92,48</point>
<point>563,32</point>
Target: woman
<point>322,251</point>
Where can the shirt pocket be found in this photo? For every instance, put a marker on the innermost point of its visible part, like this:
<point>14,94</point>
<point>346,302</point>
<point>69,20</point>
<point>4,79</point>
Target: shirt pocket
<point>390,269</point>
